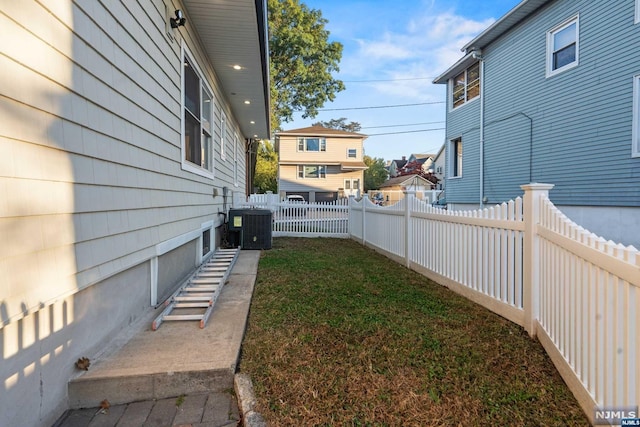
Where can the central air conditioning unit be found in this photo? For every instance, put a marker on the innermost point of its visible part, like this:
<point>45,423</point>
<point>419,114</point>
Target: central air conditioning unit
<point>250,228</point>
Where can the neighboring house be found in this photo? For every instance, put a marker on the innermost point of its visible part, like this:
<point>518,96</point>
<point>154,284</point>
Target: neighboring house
<point>537,97</point>
<point>439,166</point>
<point>426,160</point>
<point>122,141</point>
<point>396,165</point>
<point>393,189</point>
<point>320,164</point>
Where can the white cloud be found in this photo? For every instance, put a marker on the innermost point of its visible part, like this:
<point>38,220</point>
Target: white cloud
<point>425,47</point>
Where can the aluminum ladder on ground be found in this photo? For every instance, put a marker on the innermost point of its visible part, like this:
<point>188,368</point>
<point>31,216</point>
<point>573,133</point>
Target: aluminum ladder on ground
<point>200,290</point>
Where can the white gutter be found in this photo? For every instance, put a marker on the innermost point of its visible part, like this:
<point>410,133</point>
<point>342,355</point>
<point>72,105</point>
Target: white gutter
<point>481,58</point>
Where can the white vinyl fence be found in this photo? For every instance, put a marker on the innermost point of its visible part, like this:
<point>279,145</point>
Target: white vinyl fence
<point>526,261</point>
<point>302,220</point>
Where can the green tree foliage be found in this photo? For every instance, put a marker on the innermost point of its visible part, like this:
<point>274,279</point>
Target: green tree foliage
<point>301,61</point>
<point>265,178</point>
<point>340,124</point>
<point>376,174</point>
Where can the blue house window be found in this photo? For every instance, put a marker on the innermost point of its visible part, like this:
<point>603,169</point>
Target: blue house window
<point>456,158</point>
<point>465,86</point>
<point>562,47</point>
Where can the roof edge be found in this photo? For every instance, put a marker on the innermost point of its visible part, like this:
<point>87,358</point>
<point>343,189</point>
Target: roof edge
<point>504,24</point>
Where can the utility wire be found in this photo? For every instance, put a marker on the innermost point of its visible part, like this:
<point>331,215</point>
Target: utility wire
<point>388,80</point>
<point>397,126</point>
<point>381,106</point>
<point>408,131</point>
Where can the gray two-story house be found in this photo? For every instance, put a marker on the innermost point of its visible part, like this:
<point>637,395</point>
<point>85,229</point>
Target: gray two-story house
<point>550,93</point>
<point>125,128</point>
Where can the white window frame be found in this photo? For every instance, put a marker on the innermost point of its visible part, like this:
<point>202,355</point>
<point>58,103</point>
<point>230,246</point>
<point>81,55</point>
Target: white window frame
<point>300,173</point>
<point>466,87</point>
<point>355,153</point>
<point>301,144</point>
<point>223,134</point>
<point>188,165</point>
<point>635,138</point>
<point>550,34</point>
<point>454,158</point>
<point>235,160</point>
<point>637,14</point>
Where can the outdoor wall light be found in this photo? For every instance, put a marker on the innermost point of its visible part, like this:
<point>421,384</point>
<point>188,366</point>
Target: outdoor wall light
<point>179,20</point>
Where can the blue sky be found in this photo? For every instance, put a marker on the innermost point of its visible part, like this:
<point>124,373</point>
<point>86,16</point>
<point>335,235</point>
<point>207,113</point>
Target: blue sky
<point>392,52</point>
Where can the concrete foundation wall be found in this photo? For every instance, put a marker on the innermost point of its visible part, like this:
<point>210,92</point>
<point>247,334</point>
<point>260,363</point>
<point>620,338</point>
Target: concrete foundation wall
<point>619,224</point>
<point>174,266</point>
<point>38,352</point>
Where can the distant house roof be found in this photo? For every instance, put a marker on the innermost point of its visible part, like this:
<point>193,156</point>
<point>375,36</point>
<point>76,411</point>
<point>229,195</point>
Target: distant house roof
<point>320,131</point>
<point>406,180</point>
<point>399,163</point>
<point>421,156</point>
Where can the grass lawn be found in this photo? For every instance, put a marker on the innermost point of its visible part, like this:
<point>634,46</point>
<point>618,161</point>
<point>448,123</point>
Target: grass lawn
<point>339,335</point>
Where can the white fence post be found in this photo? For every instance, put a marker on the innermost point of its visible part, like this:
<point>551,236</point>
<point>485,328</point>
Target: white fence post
<point>531,254</point>
<point>364,221</point>
<point>409,196</point>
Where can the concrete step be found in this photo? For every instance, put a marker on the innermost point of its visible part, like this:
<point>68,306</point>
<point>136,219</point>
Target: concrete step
<point>178,358</point>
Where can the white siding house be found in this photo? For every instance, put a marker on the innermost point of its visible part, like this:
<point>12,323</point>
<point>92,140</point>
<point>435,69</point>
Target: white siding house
<point>121,140</point>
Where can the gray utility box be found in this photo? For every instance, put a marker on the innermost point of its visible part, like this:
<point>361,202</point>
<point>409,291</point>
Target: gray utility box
<point>253,226</point>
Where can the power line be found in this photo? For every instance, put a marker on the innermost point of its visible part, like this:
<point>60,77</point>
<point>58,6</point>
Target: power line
<point>408,131</point>
<point>397,126</point>
<point>388,80</point>
<point>381,106</point>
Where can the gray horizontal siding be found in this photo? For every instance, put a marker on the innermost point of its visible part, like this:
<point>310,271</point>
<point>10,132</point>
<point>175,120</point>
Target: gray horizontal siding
<point>92,169</point>
<point>582,118</point>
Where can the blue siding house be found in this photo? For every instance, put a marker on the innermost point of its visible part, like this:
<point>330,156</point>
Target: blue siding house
<point>551,93</point>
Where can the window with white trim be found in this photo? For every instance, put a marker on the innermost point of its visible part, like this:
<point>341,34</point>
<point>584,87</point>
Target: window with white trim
<point>197,109</point>
<point>223,134</point>
<point>635,139</point>
<point>465,86</point>
<point>455,146</point>
<point>637,14</point>
<point>312,144</point>
<point>352,153</point>
<point>563,47</point>
<point>312,171</point>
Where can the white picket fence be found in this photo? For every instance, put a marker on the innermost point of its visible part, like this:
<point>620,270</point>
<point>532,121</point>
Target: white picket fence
<point>577,293</point>
<point>329,219</point>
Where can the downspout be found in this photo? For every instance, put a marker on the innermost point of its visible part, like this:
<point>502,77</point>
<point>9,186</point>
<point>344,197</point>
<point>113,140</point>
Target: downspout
<point>478,55</point>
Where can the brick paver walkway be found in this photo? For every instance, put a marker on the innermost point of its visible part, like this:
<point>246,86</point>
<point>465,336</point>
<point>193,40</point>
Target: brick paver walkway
<point>199,410</point>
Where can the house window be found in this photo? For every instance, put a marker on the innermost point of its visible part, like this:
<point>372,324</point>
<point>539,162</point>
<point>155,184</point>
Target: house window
<point>635,145</point>
<point>562,47</point>
<point>456,158</point>
<point>197,110</point>
<point>637,17</point>
<point>223,134</point>
<point>312,144</point>
<point>312,171</point>
<point>352,153</point>
<point>466,85</point>
<point>206,241</point>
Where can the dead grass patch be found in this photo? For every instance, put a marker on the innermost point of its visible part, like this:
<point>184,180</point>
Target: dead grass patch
<point>341,336</point>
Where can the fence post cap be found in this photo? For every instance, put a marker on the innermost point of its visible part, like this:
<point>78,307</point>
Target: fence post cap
<point>536,186</point>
